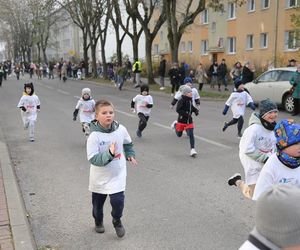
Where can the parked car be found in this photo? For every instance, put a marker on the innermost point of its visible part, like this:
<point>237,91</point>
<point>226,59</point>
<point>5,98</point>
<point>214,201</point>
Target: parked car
<point>273,84</point>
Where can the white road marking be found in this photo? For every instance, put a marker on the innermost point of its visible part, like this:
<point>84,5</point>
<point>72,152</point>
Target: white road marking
<point>169,128</point>
<point>63,92</point>
<point>125,113</point>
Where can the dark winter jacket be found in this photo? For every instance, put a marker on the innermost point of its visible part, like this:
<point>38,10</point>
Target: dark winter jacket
<point>174,76</point>
<point>222,70</point>
<point>247,75</point>
<point>162,68</point>
<point>185,109</point>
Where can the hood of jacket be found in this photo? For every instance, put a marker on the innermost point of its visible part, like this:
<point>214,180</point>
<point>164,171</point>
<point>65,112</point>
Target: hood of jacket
<point>95,126</point>
<point>254,119</point>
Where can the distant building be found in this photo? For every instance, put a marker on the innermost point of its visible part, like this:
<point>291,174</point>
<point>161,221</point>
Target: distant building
<point>259,31</point>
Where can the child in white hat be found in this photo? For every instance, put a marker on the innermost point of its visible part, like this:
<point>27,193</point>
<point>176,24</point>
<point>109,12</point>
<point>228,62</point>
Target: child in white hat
<point>86,109</point>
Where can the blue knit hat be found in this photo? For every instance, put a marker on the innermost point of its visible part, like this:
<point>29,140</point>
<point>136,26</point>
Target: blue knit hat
<point>188,80</point>
<point>237,82</point>
<point>287,133</point>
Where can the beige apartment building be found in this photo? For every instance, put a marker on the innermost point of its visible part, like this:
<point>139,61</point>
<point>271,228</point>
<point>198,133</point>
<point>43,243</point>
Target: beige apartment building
<point>260,31</point>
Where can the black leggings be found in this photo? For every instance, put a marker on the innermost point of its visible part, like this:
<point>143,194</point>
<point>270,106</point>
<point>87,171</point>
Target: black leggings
<point>175,86</point>
<point>143,121</point>
<point>239,121</point>
<point>190,133</point>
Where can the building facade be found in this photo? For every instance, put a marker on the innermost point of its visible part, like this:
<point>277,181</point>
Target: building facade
<point>260,31</point>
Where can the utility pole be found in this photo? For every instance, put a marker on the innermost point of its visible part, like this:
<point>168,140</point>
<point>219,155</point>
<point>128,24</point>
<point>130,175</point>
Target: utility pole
<point>276,32</point>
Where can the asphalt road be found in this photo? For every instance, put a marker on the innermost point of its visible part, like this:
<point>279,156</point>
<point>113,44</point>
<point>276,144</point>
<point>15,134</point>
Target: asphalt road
<point>172,201</point>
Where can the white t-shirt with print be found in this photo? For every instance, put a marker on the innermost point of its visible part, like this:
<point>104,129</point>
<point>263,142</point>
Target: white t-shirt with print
<point>109,179</point>
<point>30,102</point>
<point>141,101</point>
<point>86,110</point>
<point>238,101</point>
<point>275,172</point>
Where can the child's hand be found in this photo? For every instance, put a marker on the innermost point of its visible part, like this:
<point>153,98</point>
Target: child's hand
<point>112,148</point>
<point>132,160</point>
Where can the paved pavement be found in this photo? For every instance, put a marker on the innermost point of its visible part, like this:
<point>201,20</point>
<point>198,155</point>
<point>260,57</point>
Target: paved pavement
<point>15,232</point>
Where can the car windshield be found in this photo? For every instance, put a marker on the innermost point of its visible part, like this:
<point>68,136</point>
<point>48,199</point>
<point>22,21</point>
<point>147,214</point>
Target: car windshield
<point>285,75</point>
<point>270,76</point>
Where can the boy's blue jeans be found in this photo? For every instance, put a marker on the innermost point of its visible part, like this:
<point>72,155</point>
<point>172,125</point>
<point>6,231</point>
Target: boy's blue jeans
<point>116,201</point>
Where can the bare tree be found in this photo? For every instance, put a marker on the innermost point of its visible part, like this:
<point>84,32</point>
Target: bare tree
<point>135,8</point>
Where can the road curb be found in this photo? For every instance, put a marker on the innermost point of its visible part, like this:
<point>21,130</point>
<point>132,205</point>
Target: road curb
<point>21,232</point>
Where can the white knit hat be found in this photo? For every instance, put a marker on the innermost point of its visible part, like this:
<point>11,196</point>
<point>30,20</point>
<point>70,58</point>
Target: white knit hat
<point>86,91</point>
<point>278,215</point>
<point>185,89</point>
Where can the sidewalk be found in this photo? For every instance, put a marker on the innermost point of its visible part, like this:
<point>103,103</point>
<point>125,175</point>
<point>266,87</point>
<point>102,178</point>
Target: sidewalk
<point>15,232</point>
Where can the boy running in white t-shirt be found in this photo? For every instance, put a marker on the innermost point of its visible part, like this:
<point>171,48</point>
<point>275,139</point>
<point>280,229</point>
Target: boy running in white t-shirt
<point>238,100</point>
<point>143,104</point>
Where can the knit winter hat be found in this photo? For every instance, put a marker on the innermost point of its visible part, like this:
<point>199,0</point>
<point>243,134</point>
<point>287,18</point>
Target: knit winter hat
<point>278,215</point>
<point>86,91</point>
<point>237,82</point>
<point>266,106</point>
<point>29,85</point>
<point>144,88</point>
<point>187,80</point>
<point>184,89</point>
<point>287,133</point>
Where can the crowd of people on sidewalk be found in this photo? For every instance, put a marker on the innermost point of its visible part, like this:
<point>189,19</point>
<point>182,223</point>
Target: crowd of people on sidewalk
<point>269,150</point>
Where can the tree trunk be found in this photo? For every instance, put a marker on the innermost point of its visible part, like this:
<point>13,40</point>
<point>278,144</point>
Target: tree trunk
<point>149,60</point>
<point>45,56</point>
<point>103,57</point>
<point>29,55</point>
<point>85,53</point>
<point>94,60</point>
<point>39,52</point>
<point>135,47</point>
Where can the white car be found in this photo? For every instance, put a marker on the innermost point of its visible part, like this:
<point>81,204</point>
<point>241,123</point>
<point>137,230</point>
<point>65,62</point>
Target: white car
<point>275,85</point>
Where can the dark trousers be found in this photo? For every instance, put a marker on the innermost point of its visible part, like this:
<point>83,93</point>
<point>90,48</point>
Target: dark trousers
<point>175,86</point>
<point>190,133</point>
<point>200,86</point>
<point>116,201</point>
<point>143,121</point>
<point>0,80</point>
<point>239,121</point>
<point>297,106</point>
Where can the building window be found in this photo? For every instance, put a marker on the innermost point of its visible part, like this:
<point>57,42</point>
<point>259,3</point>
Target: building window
<point>249,42</point>
<point>204,17</point>
<point>221,42</point>
<point>190,46</point>
<point>204,47</point>
<point>265,4</point>
<point>251,5</point>
<point>292,40</point>
<point>291,3</point>
<point>264,40</point>
<point>183,47</point>
<point>231,42</point>
<point>213,27</point>
<point>231,10</point>
<point>156,49</point>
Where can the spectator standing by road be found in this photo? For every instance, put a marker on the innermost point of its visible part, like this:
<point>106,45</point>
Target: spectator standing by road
<point>200,75</point>
<point>162,72</point>
<point>247,73</point>
<point>222,75</point>
<point>137,69</point>
<point>295,82</point>
<point>174,78</point>
<point>213,74</point>
<point>236,71</point>
<point>292,63</point>
<point>1,74</point>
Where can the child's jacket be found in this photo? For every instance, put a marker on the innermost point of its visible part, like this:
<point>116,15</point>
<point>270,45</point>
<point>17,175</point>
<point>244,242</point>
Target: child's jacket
<point>185,109</point>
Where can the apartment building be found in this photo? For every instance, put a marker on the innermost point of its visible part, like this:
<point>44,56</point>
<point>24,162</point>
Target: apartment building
<point>259,31</point>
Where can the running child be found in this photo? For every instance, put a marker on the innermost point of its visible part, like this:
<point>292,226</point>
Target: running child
<point>29,105</point>
<point>238,100</point>
<point>108,147</point>
<point>86,109</point>
<point>143,104</point>
<point>257,144</point>
<point>185,109</point>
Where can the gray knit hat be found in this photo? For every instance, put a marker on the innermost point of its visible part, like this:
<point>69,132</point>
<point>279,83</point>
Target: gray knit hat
<point>278,215</point>
<point>266,106</point>
<point>184,89</point>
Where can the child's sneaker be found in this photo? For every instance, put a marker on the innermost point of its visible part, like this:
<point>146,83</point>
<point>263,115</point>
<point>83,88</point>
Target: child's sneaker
<point>99,228</point>
<point>120,230</point>
<point>173,125</point>
<point>139,133</point>
<point>233,179</point>
<point>193,152</point>
<point>31,139</point>
<point>239,135</point>
<point>225,126</point>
